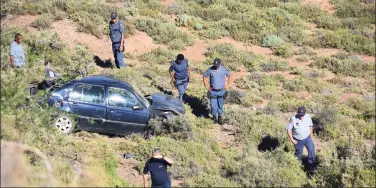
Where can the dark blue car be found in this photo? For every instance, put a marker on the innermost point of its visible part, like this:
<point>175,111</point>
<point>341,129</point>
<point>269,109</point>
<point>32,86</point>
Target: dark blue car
<point>103,104</point>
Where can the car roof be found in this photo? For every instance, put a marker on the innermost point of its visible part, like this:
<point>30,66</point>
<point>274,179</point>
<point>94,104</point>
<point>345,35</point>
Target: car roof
<point>105,80</point>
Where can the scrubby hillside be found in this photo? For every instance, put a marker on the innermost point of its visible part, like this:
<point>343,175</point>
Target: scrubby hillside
<point>283,54</point>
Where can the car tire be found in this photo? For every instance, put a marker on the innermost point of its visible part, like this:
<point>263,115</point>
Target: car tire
<point>65,124</point>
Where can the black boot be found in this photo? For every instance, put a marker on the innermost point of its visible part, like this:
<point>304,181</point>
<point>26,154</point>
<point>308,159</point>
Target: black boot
<point>214,119</point>
<point>220,120</point>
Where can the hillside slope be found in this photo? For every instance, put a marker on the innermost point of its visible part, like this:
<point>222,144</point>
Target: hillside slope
<point>283,54</point>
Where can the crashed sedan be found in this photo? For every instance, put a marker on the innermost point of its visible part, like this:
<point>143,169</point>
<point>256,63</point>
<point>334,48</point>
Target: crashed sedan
<point>107,105</point>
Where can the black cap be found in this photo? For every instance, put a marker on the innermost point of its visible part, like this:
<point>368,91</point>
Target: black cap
<point>180,57</point>
<point>217,62</point>
<point>113,15</point>
<point>301,111</point>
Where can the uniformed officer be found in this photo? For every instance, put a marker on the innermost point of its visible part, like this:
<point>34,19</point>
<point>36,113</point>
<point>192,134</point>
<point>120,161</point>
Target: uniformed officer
<point>117,38</point>
<point>300,133</point>
<point>179,73</point>
<point>217,88</point>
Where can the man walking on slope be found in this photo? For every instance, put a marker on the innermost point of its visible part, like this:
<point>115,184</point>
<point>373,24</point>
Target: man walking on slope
<point>217,88</point>
<point>300,133</point>
<point>117,38</point>
<point>179,73</point>
<point>157,166</point>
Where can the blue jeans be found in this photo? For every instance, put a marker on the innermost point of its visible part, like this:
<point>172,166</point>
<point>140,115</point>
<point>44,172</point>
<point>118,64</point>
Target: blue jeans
<point>181,85</point>
<point>308,143</point>
<point>118,55</point>
<point>217,102</point>
<point>165,185</point>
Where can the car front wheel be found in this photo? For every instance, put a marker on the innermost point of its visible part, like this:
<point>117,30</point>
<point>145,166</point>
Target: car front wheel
<point>64,124</point>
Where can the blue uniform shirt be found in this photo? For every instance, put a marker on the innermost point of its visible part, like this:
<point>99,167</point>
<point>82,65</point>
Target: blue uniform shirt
<point>17,51</point>
<point>116,30</point>
<point>217,77</point>
<point>181,70</point>
<point>158,170</point>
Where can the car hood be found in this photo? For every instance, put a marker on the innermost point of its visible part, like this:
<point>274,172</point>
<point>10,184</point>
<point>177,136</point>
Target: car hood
<point>167,103</point>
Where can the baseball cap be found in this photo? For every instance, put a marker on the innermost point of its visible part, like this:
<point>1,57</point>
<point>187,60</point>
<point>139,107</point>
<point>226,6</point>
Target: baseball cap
<point>217,62</point>
<point>113,15</point>
<point>301,111</point>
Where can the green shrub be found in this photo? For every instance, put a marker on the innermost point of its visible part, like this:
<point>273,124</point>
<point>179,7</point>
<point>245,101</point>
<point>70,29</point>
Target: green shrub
<point>343,38</point>
<point>43,22</point>
<point>198,26</point>
<point>230,56</point>
<point>176,125</point>
<point>345,64</point>
<point>309,12</point>
<point>159,56</point>
<point>89,23</point>
<point>302,84</point>
<point>272,41</point>
<point>272,65</point>
<point>284,50</point>
<point>164,33</point>
<point>328,22</point>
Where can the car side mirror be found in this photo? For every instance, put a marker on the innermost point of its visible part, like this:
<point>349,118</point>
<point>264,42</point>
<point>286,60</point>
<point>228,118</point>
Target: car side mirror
<point>137,107</point>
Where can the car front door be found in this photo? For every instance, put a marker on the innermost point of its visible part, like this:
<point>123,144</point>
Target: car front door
<point>125,113</point>
<point>88,103</point>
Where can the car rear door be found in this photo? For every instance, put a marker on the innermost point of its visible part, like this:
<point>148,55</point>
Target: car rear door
<point>87,101</point>
<point>125,113</point>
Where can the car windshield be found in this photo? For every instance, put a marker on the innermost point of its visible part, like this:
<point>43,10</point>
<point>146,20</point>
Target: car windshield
<point>141,97</point>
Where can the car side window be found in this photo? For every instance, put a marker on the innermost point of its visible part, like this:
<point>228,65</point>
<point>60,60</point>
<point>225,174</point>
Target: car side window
<point>121,98</point>
<point>88,93</point>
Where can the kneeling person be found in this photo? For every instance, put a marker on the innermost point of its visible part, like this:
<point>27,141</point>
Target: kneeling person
<point>217,88</point>
<point>157,166</point>
<point>179,73</point>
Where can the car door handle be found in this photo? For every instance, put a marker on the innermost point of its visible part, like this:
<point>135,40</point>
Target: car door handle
<point>74,104</point>
<point>111,111</point>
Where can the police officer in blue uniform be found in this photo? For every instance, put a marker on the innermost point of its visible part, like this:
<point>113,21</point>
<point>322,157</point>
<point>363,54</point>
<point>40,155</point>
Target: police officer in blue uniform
<point>179,73</point>
<point>217,88</point>
<point>117,38</point>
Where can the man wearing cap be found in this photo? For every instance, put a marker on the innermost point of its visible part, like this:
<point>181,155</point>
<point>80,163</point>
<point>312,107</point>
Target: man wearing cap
<point>217,88</point>
<point>300,133</point>
<point>179,73</point>
<point>117,38</point>
<point>157,166</point>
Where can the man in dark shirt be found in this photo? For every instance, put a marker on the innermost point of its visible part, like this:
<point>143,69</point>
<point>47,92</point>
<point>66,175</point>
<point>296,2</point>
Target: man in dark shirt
<point>157,166</point>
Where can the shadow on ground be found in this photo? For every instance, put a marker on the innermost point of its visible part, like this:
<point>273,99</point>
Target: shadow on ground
<point>268,143</point>
<point>103,63</point>
<point>198,105</point>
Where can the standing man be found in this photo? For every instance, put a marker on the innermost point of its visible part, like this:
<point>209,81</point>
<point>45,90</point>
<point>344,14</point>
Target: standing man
<point>179,73</point>
<point>157,166</point>
<point>217,88</point>
<point>17,53</point>
<point>117,38</point>
<point>300,133</point>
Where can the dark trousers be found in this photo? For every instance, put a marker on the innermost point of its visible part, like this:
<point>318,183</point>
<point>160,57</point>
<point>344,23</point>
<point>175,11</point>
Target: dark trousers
<point>118,55</point>
<point>165,185</point>
<point>308,143</point>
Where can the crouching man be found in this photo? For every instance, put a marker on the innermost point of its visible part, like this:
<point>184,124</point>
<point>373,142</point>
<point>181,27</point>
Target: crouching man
<point>157,166</point>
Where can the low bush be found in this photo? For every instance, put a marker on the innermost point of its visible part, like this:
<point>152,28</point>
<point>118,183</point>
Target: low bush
<point>272,65</point>
<point>231,57</point>
<point>284,50</point>
<point>164,33</point>
<point>43,22</point>
<point>303,84</point>
<point>272,41</point>
<point>164,126</point>
<point>89,23</point>
<point>159,56</point>
<point>345,64</point>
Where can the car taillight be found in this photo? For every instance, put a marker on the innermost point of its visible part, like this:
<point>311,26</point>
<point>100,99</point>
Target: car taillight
<point>59,104</point>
